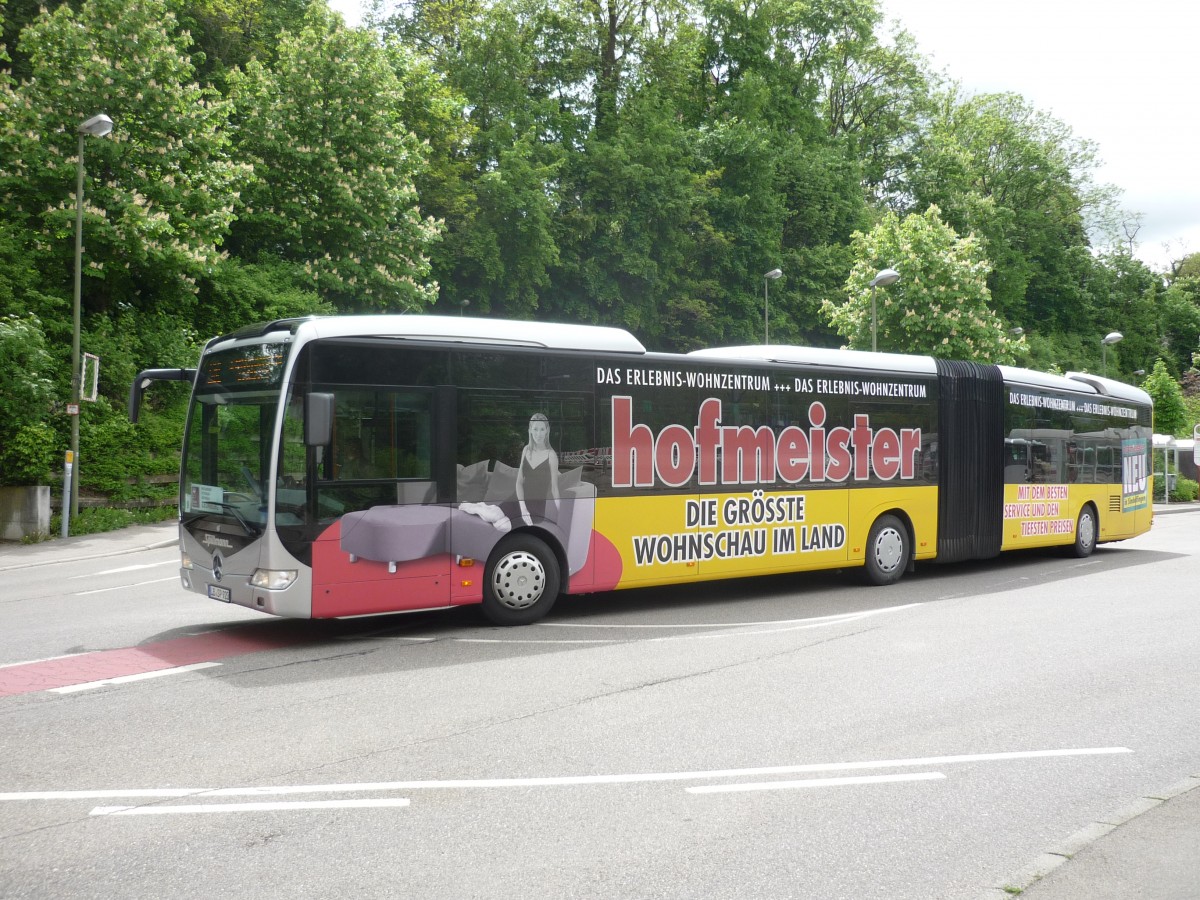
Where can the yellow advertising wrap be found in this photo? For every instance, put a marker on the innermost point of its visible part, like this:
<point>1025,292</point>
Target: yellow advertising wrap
<point>1044,515</point>
<point>681,537</point>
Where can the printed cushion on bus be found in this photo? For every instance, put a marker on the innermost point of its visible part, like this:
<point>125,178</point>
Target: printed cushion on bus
<point>472,482</point>
<point>501,484</point>
<point>569,480</point>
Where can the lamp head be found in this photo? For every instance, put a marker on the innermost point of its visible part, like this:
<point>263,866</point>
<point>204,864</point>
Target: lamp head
<point>97,126</point>
<point>1113,337</point>
<point>773,274</point>
<point>884,278</point>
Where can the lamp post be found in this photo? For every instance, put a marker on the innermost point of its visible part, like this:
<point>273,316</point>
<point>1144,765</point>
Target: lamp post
<point>884,277</point>
<point>767,279</point>
<point>1113,337</point>
<point>97,126</point>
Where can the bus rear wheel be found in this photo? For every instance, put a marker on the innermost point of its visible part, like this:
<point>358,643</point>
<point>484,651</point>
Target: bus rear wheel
<point>521,582</point>
<point>1085,532</point>
<point>887,551</point>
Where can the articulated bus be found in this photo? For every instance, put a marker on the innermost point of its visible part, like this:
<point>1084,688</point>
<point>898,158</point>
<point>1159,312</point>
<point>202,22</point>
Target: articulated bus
<point>344,466</point>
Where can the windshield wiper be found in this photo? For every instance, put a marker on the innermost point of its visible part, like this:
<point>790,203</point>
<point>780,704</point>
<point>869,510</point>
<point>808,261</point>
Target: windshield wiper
<point>249,527</point>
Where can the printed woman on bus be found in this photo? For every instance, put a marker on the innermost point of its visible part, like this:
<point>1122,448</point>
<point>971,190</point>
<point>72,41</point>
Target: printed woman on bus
<point>537,475</point>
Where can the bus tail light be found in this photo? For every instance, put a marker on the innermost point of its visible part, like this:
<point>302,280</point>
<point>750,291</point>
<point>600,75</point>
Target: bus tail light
<point>273,579</point>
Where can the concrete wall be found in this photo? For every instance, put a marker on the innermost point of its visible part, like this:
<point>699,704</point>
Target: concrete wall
<point>24,511</point>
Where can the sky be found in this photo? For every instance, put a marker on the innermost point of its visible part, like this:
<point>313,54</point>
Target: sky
<point>1122,75</point>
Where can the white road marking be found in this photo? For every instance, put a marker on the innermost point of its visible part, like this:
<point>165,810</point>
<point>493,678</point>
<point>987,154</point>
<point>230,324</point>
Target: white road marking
<point>728,629</point>
<point>168,562</point>
<point>850,616</point>
<point>813,783</point>
<point>568,780</point>
<point>124,587</point>
<point>30,662</point>
<point>140,676</point>
<point>243,807</point>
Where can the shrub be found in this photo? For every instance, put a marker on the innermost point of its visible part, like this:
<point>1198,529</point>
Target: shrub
<point>1185,490</point>
<point>24,400</point>
<point>30,455</point>
<point>97,519</point>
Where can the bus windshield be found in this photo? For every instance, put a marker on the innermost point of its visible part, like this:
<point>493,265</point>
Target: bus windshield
<point>227,451</point>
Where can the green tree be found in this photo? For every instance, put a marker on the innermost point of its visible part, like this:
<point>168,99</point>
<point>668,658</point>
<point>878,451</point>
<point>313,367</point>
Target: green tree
<point>160,188</point>
<point>1179,322</point>
<point>1021,181</point>
<point>334,166</point>
<point>1170,414</point>
<point>1123,295</point>
<point>227,34</point>
<point>940,305</point>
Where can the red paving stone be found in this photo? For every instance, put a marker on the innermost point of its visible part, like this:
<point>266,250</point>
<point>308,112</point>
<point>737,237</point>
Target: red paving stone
<point>103,664</point>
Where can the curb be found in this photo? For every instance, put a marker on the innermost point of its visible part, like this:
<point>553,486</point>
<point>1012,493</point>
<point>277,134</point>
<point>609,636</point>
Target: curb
<point>1047,862</point>
<point>1168,509</point>
<point>33,564</point>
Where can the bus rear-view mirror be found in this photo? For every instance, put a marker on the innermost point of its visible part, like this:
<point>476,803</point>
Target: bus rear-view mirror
<point>318,420</point>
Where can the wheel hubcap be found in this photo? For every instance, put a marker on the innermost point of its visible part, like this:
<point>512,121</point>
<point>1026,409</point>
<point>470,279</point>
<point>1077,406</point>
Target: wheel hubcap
<point>519,580</point>
<point>1087,530</point>
<point>889,549</point>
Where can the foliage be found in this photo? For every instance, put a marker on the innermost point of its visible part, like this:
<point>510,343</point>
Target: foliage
<point>1179,322</point>
<point>612,162</point>
<point>1021,181</point>
<point>159,196</point>
<point>1183,490</point>
<point>27,454</point>
<point>334,166</point>
<point>1170,416</point>
<point>229,33</point>
<point>24,401</point>
<point>98,519</point>
<point>939,306</point>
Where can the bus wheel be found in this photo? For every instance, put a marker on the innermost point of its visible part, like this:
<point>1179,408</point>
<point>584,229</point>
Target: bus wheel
<point>1085,532</point>
<point>887,551</point>
<point>521,583</point>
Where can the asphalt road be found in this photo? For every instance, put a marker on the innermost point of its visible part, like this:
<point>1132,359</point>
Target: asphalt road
<point>785,737</point>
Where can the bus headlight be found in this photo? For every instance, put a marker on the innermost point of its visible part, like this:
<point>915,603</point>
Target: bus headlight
<point>272,579</point>
<point>185,561</point>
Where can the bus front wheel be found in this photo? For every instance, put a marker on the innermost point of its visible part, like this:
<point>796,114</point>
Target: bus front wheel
<point>1085,532</point>
<point>887,551</point>
<point>522,581</point>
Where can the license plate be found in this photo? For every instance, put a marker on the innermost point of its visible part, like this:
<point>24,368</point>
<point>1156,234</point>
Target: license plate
<point>220,593</point>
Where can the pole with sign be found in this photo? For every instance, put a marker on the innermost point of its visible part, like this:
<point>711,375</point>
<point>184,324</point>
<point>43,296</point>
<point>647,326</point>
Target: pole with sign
<point>66,507</point>
<point>1196,444</point>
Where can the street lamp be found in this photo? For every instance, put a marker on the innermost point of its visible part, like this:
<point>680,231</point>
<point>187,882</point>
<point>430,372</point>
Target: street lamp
<point>884,277</point>
<point>97,126</point>
<point>1113,337</point>
<point>767,279</point>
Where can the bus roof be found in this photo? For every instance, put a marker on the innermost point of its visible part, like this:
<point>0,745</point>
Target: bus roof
<point>1079,382</point>
<point>460,329</point>
<point>453,329</point>
<point>820,356</point>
